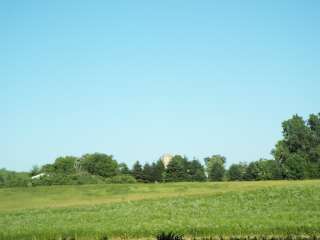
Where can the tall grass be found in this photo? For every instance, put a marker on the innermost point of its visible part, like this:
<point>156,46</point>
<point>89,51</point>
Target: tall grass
<point>143,211</point>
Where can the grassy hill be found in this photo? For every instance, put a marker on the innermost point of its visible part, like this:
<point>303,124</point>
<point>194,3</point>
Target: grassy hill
<point>142,210</point>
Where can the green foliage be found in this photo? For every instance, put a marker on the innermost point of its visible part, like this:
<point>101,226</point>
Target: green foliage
<point>215,167</point>
<point>150,173</point>
<point>48,168</point>
<point>176,169</point>
<point>196,171</point>
<point>180,169</point>
<point>137,172</point>
<point>123,169</point>
<point>294,167</point>
<point>62,165</point>
<point>100,164</point>
<point>158,171</point>
<point>298,153</point>
<point>35,170</point>
<point>263,169</point>
<point>237,172</point>
<point>65,165</point>
<point>296,156</point>
<point>216,172</point>
<point>312,170</point>
<point>62,179</point>
<point>121,179</point>
<point>13,179</point>
<point>147,173</point>
<point>296,134</point>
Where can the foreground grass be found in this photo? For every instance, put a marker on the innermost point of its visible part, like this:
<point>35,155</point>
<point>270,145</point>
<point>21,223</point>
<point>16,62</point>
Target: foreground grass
<point>142,210</point>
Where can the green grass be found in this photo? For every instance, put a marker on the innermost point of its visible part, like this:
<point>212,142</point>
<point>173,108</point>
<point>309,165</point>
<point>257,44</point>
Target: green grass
<point>143,210</point>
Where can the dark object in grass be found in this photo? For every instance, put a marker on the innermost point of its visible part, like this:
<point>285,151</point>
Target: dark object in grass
<point>264,237</point>
<point>68,238</point>
<point>169,236</point>
<point>104,237</point>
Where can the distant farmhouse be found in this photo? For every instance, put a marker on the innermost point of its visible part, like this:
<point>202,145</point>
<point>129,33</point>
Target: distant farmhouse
<point>38,176</point>
<point>165,159</point>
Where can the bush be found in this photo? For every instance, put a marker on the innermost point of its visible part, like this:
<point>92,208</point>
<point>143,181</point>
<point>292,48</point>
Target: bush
<point>13,179</point>
<point>60,179</point>
<point>124,178</point>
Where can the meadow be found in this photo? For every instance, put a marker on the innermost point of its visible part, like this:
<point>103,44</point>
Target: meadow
<point>265,208</point>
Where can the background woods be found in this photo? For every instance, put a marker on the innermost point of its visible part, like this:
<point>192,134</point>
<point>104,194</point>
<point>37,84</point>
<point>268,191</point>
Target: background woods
<point>296,156</point>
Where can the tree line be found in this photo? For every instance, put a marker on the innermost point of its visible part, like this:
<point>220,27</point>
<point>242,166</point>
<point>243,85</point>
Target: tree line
<point>295,156</point>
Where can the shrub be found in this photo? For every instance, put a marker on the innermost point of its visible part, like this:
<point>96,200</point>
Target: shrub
<point>60,179</point>
<point>124,178</point>
<point>13,179</point>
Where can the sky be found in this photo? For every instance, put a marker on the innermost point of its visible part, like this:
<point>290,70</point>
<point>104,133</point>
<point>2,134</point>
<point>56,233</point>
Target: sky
<point>137,79</point>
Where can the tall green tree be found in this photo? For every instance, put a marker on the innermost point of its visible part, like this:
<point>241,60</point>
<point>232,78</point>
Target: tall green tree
<point>158,171</point>
<point>137,172</point>
<point>35,170</point>
<point>215,167</point>
<point>123,169</point>
<point>237,172</point>
<point>100,164</point>
<point>196,171</point>
<point>147,173</point>
<point>264,169</point>
<point>65,165</point>
<point>313,166</point>
<point>294,167</point>
<point>47,168</point>
<point>300,147</point>
<point>252,171</point>
<point>176,170</point>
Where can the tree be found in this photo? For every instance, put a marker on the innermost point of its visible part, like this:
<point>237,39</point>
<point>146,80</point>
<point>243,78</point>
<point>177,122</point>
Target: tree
<point>48,168</point>
<point>35,170</point>
<point>263,169</point>
<point>300,146</point>
<point>13,179</point>
<point>215,167</point>
<point>237,172</point>
<point>100,164</point>
<point>294,167</point>
<point>252,171</point>
<point>269,169</point>
<point>123,169</point>
<point>176,170</point>
<point>65,165</point>
<point>147,173</point>
<point>196,171</point>
<point>158,171</point>
<point>137,171</point>
<point>314,153</point>
<point>296,134</point>
<point>216,172</point>
<point>314,125</point>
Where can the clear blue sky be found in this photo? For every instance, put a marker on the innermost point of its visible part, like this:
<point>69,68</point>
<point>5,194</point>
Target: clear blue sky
<point>137,79</point>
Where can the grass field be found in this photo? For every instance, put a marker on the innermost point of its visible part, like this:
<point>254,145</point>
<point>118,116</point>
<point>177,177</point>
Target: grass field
<point>143,210</point>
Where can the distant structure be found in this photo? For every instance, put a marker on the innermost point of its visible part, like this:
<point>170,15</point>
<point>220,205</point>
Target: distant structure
<point>77,165</point>
<point>165,159</point>
<point>38,176</point>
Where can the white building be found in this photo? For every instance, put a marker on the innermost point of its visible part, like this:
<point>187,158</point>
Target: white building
<point>38,176</point>
<point>165,159</point>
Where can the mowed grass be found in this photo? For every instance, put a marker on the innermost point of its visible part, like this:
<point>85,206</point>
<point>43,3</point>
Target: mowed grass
<point>143,210</point>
